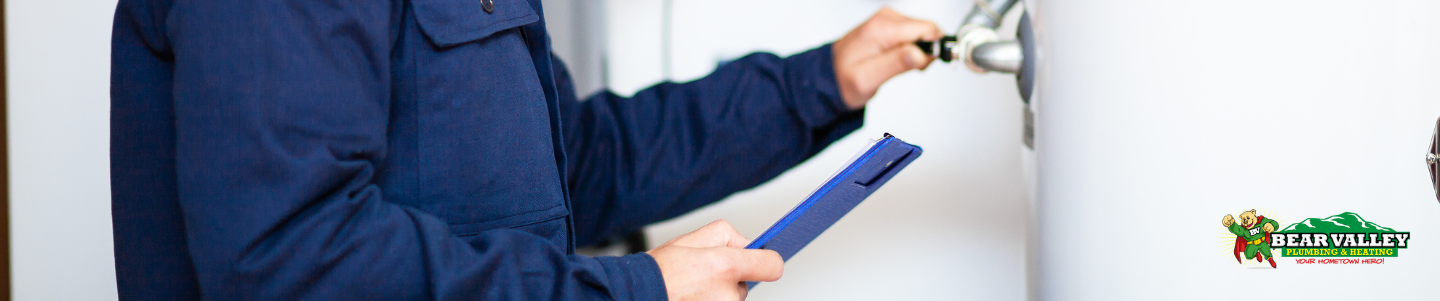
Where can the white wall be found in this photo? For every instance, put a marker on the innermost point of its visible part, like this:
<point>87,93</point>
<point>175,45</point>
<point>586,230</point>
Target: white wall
<point>59,110</point>
<point>951,226</point>
<point>577,35</point>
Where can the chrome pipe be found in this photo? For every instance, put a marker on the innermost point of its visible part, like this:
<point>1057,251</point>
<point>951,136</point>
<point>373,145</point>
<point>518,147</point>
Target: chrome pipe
<point>988,13</point>
<point>978,29</point>
<point>1003,56</point>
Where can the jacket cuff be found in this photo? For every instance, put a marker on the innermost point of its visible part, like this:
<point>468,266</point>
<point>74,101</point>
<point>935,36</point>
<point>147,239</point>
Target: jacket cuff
<point>814,93</point>
<point>634,277</point>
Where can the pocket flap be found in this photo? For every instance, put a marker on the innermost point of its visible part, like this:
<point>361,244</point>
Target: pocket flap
<point>453,22</point>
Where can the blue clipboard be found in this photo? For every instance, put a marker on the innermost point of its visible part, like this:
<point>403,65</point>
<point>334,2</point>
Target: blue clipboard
<point>843,191</point>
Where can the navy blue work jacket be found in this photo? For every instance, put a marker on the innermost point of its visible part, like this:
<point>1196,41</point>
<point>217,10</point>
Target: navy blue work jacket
<point>417,149</point>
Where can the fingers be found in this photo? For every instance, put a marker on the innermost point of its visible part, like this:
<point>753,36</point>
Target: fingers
<point>721,233</point>
<point>885,30</point>
<point>733,238</point>
<point>757,265</point>
<point>897,29</point>
<point>710,263</point>
<point>718,233</point>
<point>878,50</point>
<point>874,71</point>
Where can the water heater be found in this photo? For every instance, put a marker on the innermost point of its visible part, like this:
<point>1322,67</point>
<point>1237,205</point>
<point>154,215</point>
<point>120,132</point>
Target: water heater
<point>1149,124</point>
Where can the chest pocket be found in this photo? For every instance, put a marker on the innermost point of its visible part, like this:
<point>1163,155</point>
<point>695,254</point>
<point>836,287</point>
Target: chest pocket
<point>452,22</point>
<point>484,154</point>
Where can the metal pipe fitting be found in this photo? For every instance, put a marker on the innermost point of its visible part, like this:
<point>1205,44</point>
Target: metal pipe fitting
<point>979,29</point>
<point>988,14</point>
<point>1003,56</point>
<point>1432,159</point>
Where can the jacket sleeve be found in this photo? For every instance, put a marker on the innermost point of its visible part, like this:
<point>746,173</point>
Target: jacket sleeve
<point>672,148</point>
<point>281,114</point>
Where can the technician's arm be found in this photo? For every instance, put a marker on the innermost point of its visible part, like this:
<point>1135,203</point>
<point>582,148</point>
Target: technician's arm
<point>675,147</point>
<point>672,148</point>
<point>281,110</point>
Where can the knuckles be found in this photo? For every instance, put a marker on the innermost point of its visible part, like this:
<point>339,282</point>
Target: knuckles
<point>722,223</point>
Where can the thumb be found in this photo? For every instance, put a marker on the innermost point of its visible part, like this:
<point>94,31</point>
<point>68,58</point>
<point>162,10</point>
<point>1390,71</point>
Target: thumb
<point>757,265</point>
<point>874,71</point>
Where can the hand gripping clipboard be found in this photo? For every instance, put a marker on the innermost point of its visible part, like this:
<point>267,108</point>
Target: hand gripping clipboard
<point>866,172</point>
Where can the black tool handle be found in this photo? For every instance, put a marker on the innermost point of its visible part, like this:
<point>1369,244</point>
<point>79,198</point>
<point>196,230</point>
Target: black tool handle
<point>942,49</point>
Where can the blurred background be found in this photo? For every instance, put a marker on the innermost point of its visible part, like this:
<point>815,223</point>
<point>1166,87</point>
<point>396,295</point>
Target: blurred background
<point>1154,120</point>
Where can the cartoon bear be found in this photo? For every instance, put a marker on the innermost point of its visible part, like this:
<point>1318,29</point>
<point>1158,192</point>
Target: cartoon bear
<point>1252,235</point>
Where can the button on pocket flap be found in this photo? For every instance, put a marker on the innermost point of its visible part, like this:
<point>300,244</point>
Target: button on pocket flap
<point>453,22</point>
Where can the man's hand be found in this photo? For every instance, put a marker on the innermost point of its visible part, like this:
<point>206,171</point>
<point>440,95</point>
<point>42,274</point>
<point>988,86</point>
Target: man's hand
<point>712,263</point>
<point>878,50</point>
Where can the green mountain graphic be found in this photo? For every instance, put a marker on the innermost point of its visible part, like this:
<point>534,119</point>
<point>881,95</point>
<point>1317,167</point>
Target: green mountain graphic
<point>1348,222</point>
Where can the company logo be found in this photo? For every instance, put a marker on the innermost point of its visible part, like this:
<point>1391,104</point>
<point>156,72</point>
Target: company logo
<point>1341,235</point>
<point>1345,238</point>
<point>1252,236</point>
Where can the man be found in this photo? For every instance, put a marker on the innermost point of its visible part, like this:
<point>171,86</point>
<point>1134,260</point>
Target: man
<point>435,149</point>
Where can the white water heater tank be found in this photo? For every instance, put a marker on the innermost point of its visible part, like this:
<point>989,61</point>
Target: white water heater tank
<point>1156,119</point>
